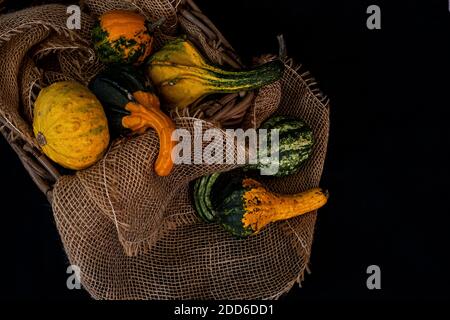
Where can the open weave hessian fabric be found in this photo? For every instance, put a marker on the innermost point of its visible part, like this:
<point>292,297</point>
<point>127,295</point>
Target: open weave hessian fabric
<point>133,234</point>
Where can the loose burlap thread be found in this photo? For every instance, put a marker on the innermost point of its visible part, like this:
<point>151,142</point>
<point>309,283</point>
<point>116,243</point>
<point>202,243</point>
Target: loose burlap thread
<point>135,235</point>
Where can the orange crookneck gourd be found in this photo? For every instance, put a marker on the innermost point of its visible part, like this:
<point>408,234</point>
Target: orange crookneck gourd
<point>243,206</point>
<point>132,107</point>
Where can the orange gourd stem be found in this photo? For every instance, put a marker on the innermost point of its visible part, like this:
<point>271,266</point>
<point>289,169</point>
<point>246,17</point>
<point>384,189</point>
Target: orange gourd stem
<point>263,207</point>
<point>141,119</point>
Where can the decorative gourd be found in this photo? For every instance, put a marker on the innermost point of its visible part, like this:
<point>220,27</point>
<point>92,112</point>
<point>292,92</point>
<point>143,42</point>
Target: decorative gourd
<point>182,76</point>
<point>243,206</point>
<point>132,107</point>
<point>70,125</point>
<point>202,196</point>
<point>294,148</point>
<point>122,36</point>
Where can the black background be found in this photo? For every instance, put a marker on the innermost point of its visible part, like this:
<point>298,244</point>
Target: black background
<point>387,167</point>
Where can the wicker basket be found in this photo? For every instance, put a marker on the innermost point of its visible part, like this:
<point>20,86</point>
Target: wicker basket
<point>295,94</point>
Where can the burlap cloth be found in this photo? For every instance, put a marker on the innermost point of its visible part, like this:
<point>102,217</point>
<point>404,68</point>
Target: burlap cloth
<point>135,235</point>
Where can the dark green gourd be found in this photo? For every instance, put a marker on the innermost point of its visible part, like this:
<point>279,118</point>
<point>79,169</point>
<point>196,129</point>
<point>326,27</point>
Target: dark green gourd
<point>132,107</point>
<point>117,86</point>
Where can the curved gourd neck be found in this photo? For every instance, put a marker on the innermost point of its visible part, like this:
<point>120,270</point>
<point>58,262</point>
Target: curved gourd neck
<point>262,207</point>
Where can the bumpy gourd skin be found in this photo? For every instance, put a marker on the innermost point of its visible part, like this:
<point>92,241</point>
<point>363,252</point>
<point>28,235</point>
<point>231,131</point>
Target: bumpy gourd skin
<point>243,206</point>
<point>262,207</point>
<point>122,36</point>
<point>183,77</point>
<point>70,125</point>
<point>140,119</point>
